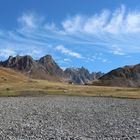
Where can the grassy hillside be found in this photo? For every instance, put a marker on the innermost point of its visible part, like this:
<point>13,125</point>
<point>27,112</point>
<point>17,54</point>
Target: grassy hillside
<point>9,76</point>
<point>13,83</point>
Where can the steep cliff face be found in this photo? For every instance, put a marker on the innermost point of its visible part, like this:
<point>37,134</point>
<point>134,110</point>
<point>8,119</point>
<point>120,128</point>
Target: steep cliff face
<point>80,75</point>
<point>45,68</point>
<point>127,76</point>
<point>21,63</point>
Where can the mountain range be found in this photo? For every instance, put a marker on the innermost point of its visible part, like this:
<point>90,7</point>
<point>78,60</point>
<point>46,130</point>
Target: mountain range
<point>47,68</point>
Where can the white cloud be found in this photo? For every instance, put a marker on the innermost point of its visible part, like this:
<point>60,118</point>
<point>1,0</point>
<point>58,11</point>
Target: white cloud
<point>5,53</point>
<point>93,24</point>
<point>66,51</point>
<point>119,21</point>
<point>67,60</point>
<point>30,20</point>
<point>104,60</point>
<point>117,50</point>
<point>51,27</point>
<point>114,22</point>
<point>90,34</point>
<point>133,22</point>
<point>73,24</point>
<point>27,21</point>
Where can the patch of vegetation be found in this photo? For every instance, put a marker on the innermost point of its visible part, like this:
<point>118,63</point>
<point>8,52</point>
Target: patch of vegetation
<point>7,89</point>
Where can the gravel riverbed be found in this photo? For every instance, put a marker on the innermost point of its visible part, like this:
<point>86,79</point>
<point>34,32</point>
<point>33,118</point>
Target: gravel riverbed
<point>69,118</point>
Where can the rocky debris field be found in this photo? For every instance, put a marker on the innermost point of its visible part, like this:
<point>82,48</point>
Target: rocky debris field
<point>69,118</point>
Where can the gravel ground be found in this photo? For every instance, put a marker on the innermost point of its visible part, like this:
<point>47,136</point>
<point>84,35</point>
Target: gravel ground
<point>69,118</point>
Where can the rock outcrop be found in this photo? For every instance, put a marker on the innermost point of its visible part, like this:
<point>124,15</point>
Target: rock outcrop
<point>50,65</point>
<point>81,75</point>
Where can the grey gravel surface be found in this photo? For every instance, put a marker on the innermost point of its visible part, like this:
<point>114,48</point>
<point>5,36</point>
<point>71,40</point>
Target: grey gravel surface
<point>69,118</point>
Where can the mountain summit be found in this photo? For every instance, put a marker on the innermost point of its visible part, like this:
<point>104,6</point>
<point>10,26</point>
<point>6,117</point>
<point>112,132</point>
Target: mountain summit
<point>47,68</point>
<point>50,65</point>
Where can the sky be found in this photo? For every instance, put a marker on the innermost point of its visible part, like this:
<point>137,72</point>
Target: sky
<point>97,34</point>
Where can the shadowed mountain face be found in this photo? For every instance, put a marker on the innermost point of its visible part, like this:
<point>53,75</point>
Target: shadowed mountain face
<point>21,63</point>
<point>128,76</point>
<point>81,75</point>
<point>47,68</point>
<point>96,75</point>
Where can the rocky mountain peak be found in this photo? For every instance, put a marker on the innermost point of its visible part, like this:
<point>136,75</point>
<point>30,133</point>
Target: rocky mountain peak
<point>50,65</point>
<point>46,59</point>
<point>79,75</point>
<point>47,68</point>
<point>19,62</point>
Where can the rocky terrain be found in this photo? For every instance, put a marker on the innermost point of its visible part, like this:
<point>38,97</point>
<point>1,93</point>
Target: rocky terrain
<point>96,75</point>
<point>44,68</point>
<point>47,68</point>
<point>127,76</point>
<point>69,118</point>
<point>81,75</point>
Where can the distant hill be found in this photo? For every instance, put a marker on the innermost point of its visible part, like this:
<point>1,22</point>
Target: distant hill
<point>47,68</point>
<point>127,76</point>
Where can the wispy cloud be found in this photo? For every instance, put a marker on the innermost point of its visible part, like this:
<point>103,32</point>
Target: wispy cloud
<point>7,52</point>
<point>27,21</point>
<point>30,21</point>
<point>66,51</point>
<point>109,32</point>
<point>117,50</point>
<point>119,21</point>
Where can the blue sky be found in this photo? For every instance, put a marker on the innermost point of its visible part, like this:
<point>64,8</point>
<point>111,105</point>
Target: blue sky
<point>99,35</point>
